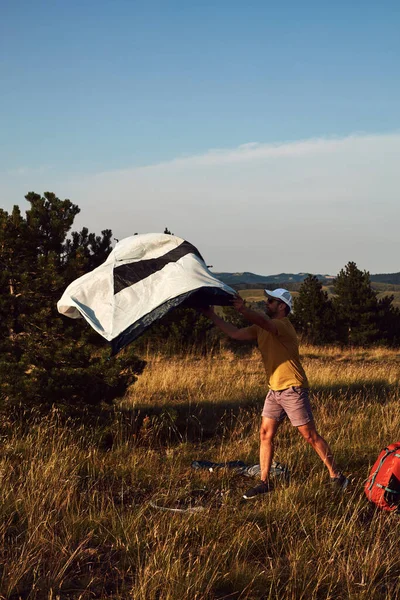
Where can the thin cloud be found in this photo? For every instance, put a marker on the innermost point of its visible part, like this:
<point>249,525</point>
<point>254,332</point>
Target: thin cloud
<point>255,151</point>
<point>309,205</point>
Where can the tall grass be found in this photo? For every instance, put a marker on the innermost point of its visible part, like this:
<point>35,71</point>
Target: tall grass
<point>76,513</point>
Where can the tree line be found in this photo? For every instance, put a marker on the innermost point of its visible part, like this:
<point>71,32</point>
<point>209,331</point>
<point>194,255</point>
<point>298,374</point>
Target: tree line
<point>47,359</point>
<point>353,315</point>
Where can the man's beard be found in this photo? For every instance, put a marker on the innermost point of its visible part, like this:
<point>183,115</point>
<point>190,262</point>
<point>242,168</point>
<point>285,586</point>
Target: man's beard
<point>269,311</point>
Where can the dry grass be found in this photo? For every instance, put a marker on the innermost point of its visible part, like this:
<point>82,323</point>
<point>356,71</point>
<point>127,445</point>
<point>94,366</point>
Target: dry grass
<point>76,515</point>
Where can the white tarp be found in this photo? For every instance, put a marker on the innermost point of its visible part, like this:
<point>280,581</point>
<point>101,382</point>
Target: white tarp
<point>143,278</point>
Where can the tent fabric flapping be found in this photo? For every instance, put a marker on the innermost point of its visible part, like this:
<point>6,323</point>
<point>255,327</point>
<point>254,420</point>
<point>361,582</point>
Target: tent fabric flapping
<point>143,278</point>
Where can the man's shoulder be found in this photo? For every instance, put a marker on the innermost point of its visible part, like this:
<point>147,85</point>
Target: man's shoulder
<point>285,326</point>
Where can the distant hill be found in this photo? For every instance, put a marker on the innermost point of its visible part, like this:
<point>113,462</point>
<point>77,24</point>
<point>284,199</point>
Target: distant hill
<point>392,278</point>
<point>247,279</point>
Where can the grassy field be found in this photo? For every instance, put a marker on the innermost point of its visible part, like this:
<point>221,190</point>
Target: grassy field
<point>77,520</point>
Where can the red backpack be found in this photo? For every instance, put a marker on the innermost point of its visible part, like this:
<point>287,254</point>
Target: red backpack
<point>383,484</point>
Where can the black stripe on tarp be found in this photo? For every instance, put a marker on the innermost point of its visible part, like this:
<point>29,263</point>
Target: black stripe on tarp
<point>203,296</point>
<point>131,273</point>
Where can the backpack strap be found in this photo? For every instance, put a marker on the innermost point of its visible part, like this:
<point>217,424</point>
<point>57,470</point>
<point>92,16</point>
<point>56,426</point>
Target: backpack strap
<point>387,489</point>
<point>384,457</point>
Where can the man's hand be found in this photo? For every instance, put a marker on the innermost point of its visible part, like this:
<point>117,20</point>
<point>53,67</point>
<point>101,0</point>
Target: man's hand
<point>239,304</point>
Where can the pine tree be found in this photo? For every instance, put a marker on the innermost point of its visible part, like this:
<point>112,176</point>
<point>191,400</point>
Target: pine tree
<point>388,321</point>
<point>45,358</point>
<point>356,306</point>
<point>313,314</point>
<point>85,251</point>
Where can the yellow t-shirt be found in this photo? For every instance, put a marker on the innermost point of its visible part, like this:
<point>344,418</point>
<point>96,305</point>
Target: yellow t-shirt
<point>280,354</point>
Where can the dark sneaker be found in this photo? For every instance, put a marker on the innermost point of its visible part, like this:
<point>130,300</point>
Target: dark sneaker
<point>258,490</point>
<point>340,483</point>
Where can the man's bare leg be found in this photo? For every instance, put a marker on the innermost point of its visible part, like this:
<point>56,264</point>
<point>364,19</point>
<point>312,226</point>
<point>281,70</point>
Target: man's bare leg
<point>268,430</point>
<point>320,446</point>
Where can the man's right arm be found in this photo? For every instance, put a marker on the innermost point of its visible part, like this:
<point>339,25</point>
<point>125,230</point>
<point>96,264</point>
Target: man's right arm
<point>244,335</point>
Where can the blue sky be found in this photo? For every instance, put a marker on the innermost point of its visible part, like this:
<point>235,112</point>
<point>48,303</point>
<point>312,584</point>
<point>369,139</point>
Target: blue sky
<point>112,87</point>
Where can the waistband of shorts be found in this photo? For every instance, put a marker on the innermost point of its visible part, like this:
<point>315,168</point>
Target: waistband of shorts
<point>301,387</point>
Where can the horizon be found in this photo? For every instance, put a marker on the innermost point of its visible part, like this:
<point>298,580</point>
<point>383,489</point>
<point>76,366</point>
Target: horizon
<point>323,274</point>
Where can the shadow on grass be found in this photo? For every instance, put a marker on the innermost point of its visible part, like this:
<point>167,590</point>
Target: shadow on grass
<point>378,390</point>
<point>194,422</point>
<point>199,421</point>
<point>179,420</point>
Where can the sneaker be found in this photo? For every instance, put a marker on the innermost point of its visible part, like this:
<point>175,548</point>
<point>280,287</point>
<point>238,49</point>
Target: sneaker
<point>261,488</point>
<point>339,483</point>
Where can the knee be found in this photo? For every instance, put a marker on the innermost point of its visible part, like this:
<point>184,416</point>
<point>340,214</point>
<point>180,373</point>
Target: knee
<point>266,435</point>
<point>311,437</point>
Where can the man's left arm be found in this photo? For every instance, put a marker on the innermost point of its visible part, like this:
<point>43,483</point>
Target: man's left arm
<point>254,317</point>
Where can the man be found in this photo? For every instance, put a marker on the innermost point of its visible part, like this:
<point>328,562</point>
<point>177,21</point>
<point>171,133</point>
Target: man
<point>288,385</point>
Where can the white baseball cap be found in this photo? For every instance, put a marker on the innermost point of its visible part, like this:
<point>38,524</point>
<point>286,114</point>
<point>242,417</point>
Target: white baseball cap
<point>282,295</point>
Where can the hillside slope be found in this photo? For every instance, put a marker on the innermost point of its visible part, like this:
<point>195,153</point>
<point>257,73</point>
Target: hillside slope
<point>246,278</point>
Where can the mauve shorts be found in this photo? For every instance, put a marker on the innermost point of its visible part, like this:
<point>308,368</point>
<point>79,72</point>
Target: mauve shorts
<point>293,402</point>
